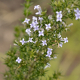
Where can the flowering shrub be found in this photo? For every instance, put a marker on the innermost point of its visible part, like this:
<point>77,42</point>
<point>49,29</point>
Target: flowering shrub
<point>35,40</point>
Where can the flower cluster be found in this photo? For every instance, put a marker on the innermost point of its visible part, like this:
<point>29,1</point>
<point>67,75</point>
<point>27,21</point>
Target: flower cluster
<point>36,27</point>
<point>63,39</point>
<point>49,52</point>
<point>39,9</point>
<point>77,13</point>
<point>59,16</point>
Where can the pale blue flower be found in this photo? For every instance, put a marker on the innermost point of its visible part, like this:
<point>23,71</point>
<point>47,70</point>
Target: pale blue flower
<point>32,25</point>
<point>48,26</point>
<point>48,65</point>
<point>36,7</point>
<point>59,35</point>
<point>35,22</point>
<point>44,42</point>
<point>18,60</point>
<point>59,13</point>
<point>59,16</point>
<point>77,13</point>
<point>77,16</point>
<point>59,19</point>
<point>28,31</point>
<point>39,9</point>
<point>36,28</point>
<point>41,33</point>
<point>77,10</point>
<point>60,44</point>
<point>30,39</point>
<point>26,20</point>
<point>49,49</point>
<point>65,40</point>
<point>49,52</point>
<point>40,18</point>
<point>38,13</point>
<point>22,41</point>
<point>34,18</point>
<point>61,39</point>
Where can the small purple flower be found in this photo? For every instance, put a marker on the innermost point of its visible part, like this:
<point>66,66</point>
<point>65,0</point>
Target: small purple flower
<point>59,13</point>
<point>40,18</point>
<point>59,35</point>
<point>30,40</point>
<point>36,7</point>
<point>32,25</point>
<point>49,49</point>
<point>18,60</point>
<point>34,18</point>
<point>59,19</point>
<point>48,65</point>
<point>61,39</point>
<point>65,40</point>
<point>38,13</point>
<point>22,41</point>
<point>48,26</point>
<point>41,33</point>
<point>28,31</point>
<point>39,9</point>
<point>26,20</point>
<point>77,10</point>
<point>48,55</point>
<point>36,28</point>
<point>59,16</point>
<point>49,52</point>
<point>35,22</point>
<point>44,42</point>
<point>77,16</point>
<point>60,44</point>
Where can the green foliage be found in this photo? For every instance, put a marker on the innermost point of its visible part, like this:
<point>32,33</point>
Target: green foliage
<point>32,65</point>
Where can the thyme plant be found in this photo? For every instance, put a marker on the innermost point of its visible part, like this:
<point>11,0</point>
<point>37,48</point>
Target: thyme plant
<point>36,39</point>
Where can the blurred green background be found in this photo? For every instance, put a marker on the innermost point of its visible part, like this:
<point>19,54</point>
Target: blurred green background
<point>68,60</point>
